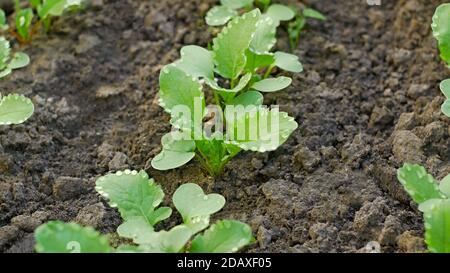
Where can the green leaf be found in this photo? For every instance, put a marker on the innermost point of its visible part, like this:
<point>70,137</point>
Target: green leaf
<point>437,225</point>
<point>15,109</point>
<point>5,51</point>
<point>314,14</point>
<point>272,84</point>
<point>441,30</point>
<point>444,185</point>
<point>136,228</point>
<point>171,241</point>
<point>248,98</point>
<point>257,61</point>
<point>236,4</point>
<point>59,237</point>
<point>222,237</point>
<point>134,194</point>
<point>23,22</point>
<point>19,60</point>
<point>196,61</point>
<point>195,207</point>
<point>288,62</point>
<point>176,152</point>
<point>420,185</point>
<point>294,30</point>
<point>265,35</point>
<point>230,45</point>
<point>280,13</point>
<point>220,15</point>
<point>445,108</point>
<point>241,85</point>
<point>178,88</point>
<point>56,7</point>
<point>445,88</point>
<point>258,129</point>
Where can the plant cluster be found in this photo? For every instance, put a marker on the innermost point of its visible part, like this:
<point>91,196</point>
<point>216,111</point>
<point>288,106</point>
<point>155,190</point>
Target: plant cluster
<point>138,200</point>
<point>237,71</point>
<point>44,9</point>
<point>433,199</point>
<point>14,108</point>
<point>273,15</point>
<point>431,195</point>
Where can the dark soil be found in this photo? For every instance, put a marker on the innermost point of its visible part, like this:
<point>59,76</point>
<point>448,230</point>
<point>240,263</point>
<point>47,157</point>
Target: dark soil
<point>367,102</point>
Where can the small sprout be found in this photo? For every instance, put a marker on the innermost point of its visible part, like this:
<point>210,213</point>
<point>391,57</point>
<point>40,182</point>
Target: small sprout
<point>136,196</point>
<point>24,18</point>
<point>296,27</point>
<point>433,201</point>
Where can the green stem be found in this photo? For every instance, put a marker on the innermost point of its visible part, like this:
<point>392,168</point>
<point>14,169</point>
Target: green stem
<point>216,98</point>
<point>233,83</point>
<point>17,5</point>
<point>268,71</point>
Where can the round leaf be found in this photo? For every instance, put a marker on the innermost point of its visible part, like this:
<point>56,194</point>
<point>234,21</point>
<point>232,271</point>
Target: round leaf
<point>222,237</point>
<point>248,98</point>
<point>219,15</point>
<point>190,200</point>
<point>272,84</point>
<point>288,62</point>
<point>59,237</point>
<point>15,109</point>
<point>167,160</point>
<point>280,12</point>
<point>19,60</point>
<point>236,4</point>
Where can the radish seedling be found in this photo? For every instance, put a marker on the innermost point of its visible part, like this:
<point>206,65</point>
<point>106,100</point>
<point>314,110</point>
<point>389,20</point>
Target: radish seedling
<point>441,31</point>
<point>434,202</point>
<point>243,73</point>
<point>270,20</point>
<point>296,27</point>
<point>45,11</point>
<point>14,108</point>
<point>7,62</point>
<point>137,198</point>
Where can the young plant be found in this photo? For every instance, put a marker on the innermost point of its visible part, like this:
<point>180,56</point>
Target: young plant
<point>7,62</point>
<point>433,199</point>
<point>45,10</point>
<point>242,60</point>
<point>14,108</point>
<point>271,19</point>
<point>296,27</point>
<point>137,198</point>
<point>441,31</point>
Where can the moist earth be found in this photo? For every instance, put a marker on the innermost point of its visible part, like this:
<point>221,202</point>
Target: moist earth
<point>367,102</point>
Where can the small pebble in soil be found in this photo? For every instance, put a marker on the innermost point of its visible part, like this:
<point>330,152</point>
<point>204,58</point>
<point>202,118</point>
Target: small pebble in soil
<point>66,188</point>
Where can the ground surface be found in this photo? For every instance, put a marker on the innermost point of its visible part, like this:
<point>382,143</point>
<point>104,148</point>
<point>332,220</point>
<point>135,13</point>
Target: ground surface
<point>367,102</point>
